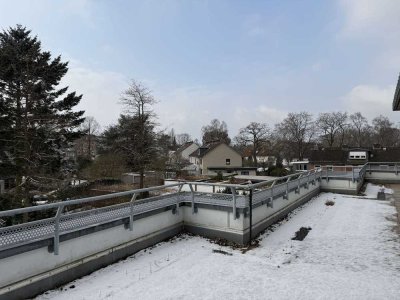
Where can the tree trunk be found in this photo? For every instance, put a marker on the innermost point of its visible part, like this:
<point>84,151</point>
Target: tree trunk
<point>141,182</point>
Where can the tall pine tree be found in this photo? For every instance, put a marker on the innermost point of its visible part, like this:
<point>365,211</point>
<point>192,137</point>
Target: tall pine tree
<point>37,121</point>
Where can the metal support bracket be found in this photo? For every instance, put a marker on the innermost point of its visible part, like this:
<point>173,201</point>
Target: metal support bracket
<point>56,248</point>
<point>178,200</point>
<point>194,209</point>
<point>270,202</point>
<point>233,190</point>
<point>131,211</point>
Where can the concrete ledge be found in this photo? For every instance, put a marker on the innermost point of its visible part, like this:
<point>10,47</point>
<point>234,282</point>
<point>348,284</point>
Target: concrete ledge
<point>48,242</point>
<point>214,233</point>
<point>382,181</point>
<point>264,224</point>
<point>76,269</point>
<point>339,191</point>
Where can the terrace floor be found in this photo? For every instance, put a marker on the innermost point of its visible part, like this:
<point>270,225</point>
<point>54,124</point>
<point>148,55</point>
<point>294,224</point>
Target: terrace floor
<point>352,251</point>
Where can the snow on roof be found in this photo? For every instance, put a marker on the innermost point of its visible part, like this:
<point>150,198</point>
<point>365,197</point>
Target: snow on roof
<point>350,252</point>
<point>253,177</point>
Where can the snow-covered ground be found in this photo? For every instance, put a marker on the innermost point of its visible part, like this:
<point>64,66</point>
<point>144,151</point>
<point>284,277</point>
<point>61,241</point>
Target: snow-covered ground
<point>351,252</point>
<point>372,190</point>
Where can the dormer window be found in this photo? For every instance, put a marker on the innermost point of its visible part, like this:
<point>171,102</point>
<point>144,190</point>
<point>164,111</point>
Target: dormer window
<point>357,154</point>
<point>228,161</point>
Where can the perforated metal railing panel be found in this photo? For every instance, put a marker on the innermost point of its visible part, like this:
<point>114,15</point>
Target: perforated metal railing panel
<point>25,233</point>
<point>17,235</point>
<point>13,236</point>
<point>20,234</point>
<point>262,195</point>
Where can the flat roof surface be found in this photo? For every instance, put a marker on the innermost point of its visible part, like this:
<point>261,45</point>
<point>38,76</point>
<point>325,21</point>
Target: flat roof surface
<point>351,251</point>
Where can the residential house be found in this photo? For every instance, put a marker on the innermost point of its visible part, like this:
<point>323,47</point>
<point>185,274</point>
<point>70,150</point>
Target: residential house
<point>263,157</point>
<point>219,157</point>
<point>185,150</point>
<point>301,165</point>
<point>353,156</point>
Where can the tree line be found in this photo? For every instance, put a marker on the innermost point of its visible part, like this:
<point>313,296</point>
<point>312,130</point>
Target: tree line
<point>298,133</point>
<point>39,123</point>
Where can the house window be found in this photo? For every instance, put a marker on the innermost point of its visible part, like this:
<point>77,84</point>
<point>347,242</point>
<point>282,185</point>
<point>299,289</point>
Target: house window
<point>329,168</point>
<point>245,173</point>
<point>228,161</point>
<point>357,154</point>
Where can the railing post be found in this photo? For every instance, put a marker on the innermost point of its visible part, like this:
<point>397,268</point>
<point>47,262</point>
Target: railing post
<point>352,173</point>
<point>287,189</point>
<point>369,169</point>
<point>57,230</point>
<point>298,184</point>
<point>178,199</point>
<point>192,194</point>
<point>395,169</point>
<point>131,212</point>
<point>233,190</point>
<point>308,179</point>
<point>251,215</point>
<point>271,199</point>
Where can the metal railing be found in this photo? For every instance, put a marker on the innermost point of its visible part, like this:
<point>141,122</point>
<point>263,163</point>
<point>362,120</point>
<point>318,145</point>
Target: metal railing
<point>383,167</point>
<point>355,173</point>
<point>64,221</point>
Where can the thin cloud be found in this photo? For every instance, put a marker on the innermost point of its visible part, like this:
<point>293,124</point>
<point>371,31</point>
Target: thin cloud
<point>371,101</point>
<point>101,91</point>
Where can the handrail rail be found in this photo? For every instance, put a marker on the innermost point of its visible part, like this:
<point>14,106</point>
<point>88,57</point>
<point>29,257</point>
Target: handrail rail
<point>65,203</point>
<point>272,188</point>
<point>383,162</point>
<point>57,205</point>
<point>22,210</point>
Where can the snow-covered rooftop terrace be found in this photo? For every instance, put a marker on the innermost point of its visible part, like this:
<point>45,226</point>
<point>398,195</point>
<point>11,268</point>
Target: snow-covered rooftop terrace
<point>352,252</point>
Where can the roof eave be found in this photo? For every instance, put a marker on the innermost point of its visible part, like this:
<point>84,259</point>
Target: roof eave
<point>396,98</point>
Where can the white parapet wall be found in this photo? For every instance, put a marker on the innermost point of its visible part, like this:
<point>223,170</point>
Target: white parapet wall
<point>33,267</point>
<point>83,252</point>
<point>382,176</point>
<point>341,185</point>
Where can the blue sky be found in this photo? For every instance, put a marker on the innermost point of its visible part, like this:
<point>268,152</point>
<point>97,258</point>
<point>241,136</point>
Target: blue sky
<point>239,61</point>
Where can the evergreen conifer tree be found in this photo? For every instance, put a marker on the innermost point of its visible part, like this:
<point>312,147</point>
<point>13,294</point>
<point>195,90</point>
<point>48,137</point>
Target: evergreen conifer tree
<point>37,121</point>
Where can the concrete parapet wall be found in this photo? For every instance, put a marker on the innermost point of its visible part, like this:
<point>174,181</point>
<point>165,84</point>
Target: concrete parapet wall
<point>383,176</point>
<point>36,265</point>
<point>341,185</point>
<point>32,268</point>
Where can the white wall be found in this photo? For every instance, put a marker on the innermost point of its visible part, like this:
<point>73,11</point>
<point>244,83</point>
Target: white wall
<point>24,265</point>
<point>340,185</point>
<point>189,150</point>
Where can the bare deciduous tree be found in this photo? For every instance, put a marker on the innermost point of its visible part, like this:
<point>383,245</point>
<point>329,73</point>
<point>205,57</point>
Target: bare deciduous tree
<point>297,130</point>
<point>358,128</point>
<point>331,125</point>
<point>216,131</point>
<point>140,147</point>
<point>255,134</point>
<point>183,138</point>
<point>90,127</point>
<point>385,133</point>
